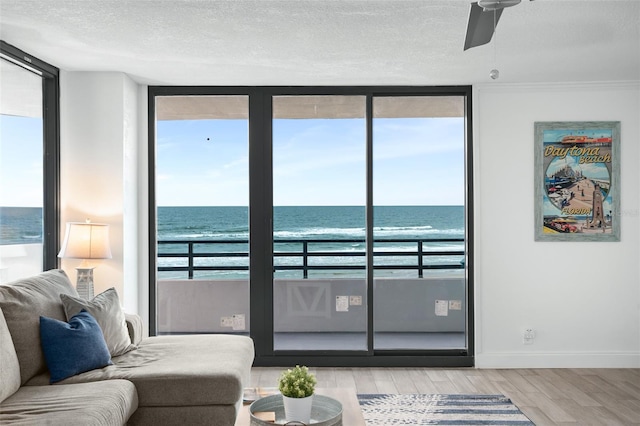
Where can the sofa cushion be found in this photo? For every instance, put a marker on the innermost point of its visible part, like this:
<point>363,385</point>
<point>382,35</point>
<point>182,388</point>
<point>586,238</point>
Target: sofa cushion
<point>135,327</point>
<point>23,302</point>
<point>74,347</point>
<point>9,367</point>
<point>110,402</point>
<point>105,308</point>
<point>191,370</point>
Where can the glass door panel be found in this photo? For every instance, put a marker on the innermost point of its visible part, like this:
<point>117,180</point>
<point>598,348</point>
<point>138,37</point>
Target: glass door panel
<point>319,189</point>
<point>202,195</point>
<point>21,173</point>
<point>419,223</point>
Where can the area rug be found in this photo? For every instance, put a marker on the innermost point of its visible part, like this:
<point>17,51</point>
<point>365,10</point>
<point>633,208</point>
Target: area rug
<point>420,409</point>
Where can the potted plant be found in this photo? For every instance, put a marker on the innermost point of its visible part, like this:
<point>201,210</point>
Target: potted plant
<point>297,386</point>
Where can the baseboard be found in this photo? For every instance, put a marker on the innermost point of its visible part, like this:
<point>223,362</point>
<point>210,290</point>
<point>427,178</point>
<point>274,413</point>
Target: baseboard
<point>559,360</point>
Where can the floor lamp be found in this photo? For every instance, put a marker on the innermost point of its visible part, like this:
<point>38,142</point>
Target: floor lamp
<point>85,241</point>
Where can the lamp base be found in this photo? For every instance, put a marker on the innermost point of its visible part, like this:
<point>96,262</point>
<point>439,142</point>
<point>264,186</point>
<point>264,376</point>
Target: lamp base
<point>84,285</point>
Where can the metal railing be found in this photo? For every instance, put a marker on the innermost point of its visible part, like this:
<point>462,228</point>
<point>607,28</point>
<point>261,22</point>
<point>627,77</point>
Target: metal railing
<point>305,254</point>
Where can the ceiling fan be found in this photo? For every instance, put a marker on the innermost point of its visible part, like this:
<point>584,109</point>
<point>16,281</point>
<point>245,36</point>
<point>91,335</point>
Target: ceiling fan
<point>483,20</point>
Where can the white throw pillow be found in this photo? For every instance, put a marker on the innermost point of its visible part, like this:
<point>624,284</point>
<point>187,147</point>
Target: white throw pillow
<point>105,308</point>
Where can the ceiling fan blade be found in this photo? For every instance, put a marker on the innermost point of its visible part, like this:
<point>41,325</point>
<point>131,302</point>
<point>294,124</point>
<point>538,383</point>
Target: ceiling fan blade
<point>481,26</point>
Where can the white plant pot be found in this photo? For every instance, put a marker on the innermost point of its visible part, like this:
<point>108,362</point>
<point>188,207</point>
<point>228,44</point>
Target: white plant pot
<point>298,409</point>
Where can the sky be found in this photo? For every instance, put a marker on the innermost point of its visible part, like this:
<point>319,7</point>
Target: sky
<point>20,181</point>
<point>418,161</point>
<point>316,162</point>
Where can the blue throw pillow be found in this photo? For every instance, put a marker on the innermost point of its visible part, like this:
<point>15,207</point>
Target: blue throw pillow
<point>73,348</point>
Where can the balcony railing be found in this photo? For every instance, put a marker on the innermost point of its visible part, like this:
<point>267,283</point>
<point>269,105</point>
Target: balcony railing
<point>395,259</point>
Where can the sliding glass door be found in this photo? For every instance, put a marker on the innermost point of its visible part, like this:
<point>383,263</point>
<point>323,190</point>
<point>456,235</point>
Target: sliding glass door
<point>319,188</point>
<point>419,223</point>
<point>337,219</point>
<point>202,213</point>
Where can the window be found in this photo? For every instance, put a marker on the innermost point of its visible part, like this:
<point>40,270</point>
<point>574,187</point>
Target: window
<point>202,209</point>
<point>319,192</point>
<point>356,239</point>
<point>419,222</point>
<point>29,159</point>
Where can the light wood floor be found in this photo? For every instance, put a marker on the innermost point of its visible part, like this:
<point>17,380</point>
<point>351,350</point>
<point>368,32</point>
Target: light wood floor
<point>546,396</point>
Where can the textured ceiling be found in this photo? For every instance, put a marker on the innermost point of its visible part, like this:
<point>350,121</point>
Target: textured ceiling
<point>326,42</point>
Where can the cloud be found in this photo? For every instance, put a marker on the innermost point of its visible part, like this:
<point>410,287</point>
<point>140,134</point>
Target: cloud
<point>241,163</point>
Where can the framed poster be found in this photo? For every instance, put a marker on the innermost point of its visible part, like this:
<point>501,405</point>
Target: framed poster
<point>577,181</point>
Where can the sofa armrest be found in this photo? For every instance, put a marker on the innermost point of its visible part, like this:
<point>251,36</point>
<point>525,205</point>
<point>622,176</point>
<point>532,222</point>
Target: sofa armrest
<point>135,327</point>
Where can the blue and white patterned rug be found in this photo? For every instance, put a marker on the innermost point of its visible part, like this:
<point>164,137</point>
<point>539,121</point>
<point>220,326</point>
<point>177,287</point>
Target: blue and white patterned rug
<point>420,409</point>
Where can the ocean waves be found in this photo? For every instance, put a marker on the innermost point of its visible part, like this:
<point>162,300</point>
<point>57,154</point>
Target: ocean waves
<point>327,237</point>
<point>378,232</point>
<point>322,233</point>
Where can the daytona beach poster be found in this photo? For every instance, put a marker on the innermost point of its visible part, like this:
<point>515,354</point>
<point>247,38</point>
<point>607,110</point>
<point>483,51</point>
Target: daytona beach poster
<point>577,181</point>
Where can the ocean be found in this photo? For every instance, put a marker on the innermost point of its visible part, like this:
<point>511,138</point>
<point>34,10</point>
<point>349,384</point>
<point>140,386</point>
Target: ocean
<point>340,224</point>
<point>20,225</point>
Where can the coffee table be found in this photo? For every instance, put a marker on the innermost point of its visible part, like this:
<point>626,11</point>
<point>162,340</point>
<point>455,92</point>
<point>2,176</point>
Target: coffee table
<point>351,413</point>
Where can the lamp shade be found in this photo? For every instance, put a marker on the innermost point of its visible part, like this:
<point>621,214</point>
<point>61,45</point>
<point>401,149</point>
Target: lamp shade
<point>86,241</point>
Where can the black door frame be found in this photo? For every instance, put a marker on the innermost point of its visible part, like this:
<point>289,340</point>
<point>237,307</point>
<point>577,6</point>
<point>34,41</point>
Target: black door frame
<point>261,225</point>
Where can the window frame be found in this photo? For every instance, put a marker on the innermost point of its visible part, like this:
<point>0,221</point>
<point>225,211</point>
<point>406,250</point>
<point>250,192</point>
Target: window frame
<point>51,147</point>
<point>261,221</point>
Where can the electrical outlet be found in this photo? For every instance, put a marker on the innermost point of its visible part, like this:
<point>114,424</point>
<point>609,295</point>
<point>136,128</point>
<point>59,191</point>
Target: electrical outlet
<point>528,336</point>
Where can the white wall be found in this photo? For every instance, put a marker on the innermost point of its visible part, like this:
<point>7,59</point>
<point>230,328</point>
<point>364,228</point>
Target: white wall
<point>99,142</point>
<point>130,197</point>
<point>583,299</point>
<point>141,287</point>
